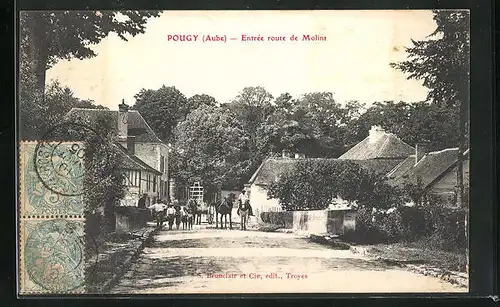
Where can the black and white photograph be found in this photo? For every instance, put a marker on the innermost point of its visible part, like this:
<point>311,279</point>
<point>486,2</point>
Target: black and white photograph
<point>212,152</point>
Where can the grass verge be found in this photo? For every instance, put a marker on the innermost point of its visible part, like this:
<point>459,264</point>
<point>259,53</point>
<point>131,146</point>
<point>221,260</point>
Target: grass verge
<point>420,252</point>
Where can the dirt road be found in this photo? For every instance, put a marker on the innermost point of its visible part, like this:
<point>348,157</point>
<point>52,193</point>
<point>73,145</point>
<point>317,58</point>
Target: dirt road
<point>234,261</point>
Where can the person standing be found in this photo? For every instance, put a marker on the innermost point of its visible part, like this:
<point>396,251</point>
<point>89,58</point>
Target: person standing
<point>158,209</point>
<point>170,215</point>
<point>243,198</point>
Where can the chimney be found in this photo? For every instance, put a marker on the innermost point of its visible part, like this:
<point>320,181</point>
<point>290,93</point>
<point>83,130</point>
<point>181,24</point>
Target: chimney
<point>122,121</point>
<point>285,153</point>
<point>420,151</point>
<point>131,144</point>
<point>376,132</point>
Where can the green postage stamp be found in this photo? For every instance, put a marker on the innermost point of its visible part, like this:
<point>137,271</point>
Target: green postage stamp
<point>52,223</point>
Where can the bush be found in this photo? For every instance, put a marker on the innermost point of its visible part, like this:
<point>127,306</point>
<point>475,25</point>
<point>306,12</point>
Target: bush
<point>379,227</point>
<point>448,229</point>
<point>264,216</point>
<point>416,222</point>
<point>442,227</point>
<point>277,218</point>
<point>313,184</point>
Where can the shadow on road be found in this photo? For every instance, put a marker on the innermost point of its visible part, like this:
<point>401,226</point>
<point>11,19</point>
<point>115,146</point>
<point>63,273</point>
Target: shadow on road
<point>149,274</point>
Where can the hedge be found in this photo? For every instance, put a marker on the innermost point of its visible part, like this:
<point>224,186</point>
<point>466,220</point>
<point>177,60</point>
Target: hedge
<point>445,227</point>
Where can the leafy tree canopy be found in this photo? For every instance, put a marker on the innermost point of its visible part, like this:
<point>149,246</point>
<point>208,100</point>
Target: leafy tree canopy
<point>315,183</point>
<point>210,147</point>
<point>46,36</point>
<point>443,60</point>
<point>36,117</point>
<point>162,109</point>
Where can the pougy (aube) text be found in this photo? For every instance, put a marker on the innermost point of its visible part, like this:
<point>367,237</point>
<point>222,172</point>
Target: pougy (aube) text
<point>244,38</point>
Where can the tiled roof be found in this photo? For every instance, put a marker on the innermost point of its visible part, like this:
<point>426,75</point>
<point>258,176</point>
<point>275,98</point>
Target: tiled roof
<point>270,170</point>
<point>379,166</point>
<point>385,146</point>
<point>137,125</point>
<point>430,168</point>
<point>402,167</point>
<point>132,162</point>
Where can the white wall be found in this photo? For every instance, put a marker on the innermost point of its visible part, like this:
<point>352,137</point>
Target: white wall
<point>311,221</point>
<point>150,153</point>
<point>259,201</point>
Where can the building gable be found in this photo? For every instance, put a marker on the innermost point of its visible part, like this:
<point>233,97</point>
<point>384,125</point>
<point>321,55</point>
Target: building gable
<point>427,170</point>
<point>379,145</point>
<point>137,125</point>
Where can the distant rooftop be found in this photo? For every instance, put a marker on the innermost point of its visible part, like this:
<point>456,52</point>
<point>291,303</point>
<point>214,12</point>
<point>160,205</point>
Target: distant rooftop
<point>429,169</point>
<point>137,125</point>
<point>272,168</point>
<point>379,145</point>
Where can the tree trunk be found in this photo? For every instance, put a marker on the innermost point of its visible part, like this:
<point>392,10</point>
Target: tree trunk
<point>36,50</point>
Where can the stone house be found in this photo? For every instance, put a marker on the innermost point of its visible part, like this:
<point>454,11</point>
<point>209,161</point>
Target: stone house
<point>435,172</point>
<point>145,155</point>
<point>381,152</point>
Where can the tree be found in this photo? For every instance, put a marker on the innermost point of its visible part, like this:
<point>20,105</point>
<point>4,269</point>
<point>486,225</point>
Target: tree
<point>200,99</point>
<point>251,108</point>
<point>47,36</point>
<point>315,183</point>
<point>415,123</point>
<point>36,118</point>
<point>162,109</point>
<point>320,114</point>
<point>210,147</point>
<point>103,184</point>
<point>442,62</point>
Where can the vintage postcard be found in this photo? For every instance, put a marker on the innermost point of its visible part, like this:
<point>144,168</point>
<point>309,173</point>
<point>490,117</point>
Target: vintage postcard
<point>208,152</point>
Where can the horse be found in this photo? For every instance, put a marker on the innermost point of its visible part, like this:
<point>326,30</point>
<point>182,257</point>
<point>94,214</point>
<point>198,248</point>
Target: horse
<point>243,211</point>
<point>187,219</point>
<point>224,208</point>
<point>200,210</point>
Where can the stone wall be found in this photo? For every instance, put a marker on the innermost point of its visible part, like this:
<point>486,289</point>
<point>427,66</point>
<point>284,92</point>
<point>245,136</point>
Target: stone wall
<point>130,218</point>
<point>335,222</point>
<point>313,221</point>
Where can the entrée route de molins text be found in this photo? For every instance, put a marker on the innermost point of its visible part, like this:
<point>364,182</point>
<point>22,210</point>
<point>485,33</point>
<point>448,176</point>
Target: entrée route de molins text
<point>244,38</point>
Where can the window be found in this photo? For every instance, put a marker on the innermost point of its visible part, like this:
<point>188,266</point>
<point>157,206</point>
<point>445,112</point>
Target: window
<point>154,183</point>
<point>148,182</point>
<point>162,164</point>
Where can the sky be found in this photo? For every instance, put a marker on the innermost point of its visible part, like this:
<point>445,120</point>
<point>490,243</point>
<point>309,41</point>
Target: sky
<point>353,61</point>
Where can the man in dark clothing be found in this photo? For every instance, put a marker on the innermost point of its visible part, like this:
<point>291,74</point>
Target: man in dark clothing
<point>142,201</point>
